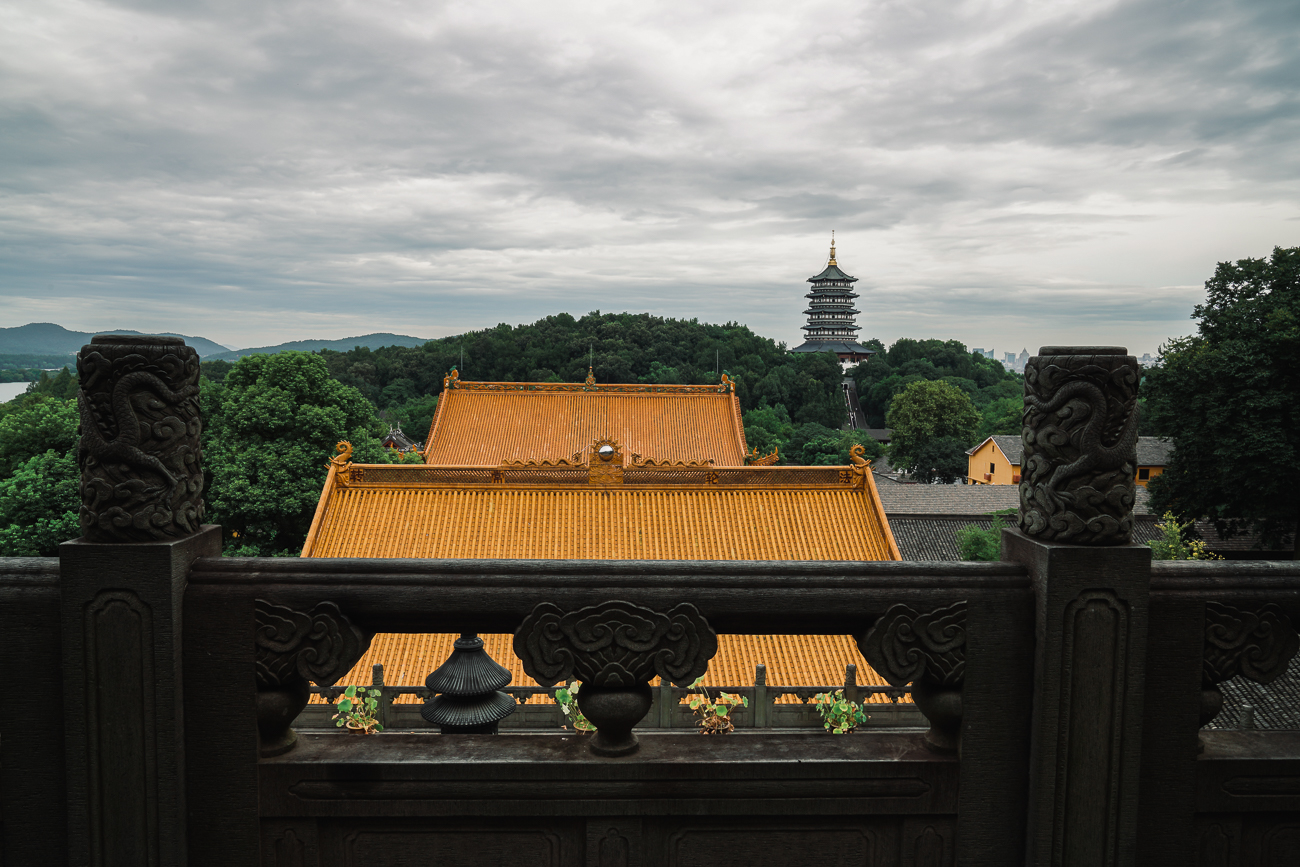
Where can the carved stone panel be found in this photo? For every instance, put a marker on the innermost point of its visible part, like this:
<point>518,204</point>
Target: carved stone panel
<point>293,648</point>
<point>615,644</point>
<point>502,845</point>
<point>1078,471</point>
<point>320,645</point>
<point>906,646</point>
<point>140,459</point>
<point>1089,746</point>
<point>1255,643</point>
<point>927,650</point>
<point>121,711</point>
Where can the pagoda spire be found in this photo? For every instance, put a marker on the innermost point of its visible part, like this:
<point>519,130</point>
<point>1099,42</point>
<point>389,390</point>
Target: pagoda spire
<point>832,261</point>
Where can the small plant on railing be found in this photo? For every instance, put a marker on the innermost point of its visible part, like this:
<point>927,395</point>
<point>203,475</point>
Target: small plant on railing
<point>1171,545</point>
<point>839,715</point>
<point>714,715</point>
<point>357,710</point>
<point>567,699</point>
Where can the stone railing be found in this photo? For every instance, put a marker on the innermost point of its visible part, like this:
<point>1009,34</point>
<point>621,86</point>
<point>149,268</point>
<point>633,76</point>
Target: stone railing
<point>1064,689</point>
<point>536,710</point>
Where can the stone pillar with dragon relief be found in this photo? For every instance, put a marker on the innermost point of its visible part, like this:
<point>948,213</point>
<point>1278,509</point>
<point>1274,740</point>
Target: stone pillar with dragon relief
<point>122,585</point>
<point>1091,587</point>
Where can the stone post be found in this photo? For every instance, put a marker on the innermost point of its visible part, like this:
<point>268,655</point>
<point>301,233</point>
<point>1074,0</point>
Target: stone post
<point>1091,587</point>
<point>122,586</point>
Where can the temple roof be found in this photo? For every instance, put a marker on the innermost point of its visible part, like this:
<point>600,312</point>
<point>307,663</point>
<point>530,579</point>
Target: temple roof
<point>486,423</point>
<point>832,272</point>
<point>566,512</point>
<point>838,346</point>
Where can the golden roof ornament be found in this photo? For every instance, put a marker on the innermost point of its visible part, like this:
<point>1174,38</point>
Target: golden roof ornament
<point>832,261</point>
<point>344,457</point>
<point>452,377</point>
<point>591,376</point>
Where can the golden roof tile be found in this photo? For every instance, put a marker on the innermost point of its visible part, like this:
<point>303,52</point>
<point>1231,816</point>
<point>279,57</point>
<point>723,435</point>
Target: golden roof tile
<point>489,423</point>
<point>754,513</point>
<point>791,660</point>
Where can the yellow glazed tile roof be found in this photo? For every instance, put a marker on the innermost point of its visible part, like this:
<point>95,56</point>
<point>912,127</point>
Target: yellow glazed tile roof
<point>756,513</point>
<point>511,473</point>
<point>485,424</point>
<point>791,660</point>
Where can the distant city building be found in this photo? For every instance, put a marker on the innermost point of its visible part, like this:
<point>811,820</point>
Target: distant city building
<point>987,353</point>
<point>832,320</point>
<point>1014,362</point>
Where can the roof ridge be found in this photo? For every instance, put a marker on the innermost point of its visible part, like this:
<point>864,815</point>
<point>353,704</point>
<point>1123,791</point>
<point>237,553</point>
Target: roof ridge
<point>726,387</point>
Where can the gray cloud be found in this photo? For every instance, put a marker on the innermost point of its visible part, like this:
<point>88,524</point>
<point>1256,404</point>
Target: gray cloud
<point>1001,173</point>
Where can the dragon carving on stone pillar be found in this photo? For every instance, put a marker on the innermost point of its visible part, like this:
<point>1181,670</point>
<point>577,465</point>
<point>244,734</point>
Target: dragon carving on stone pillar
<point>140,458</point>
<point>1078,472</point>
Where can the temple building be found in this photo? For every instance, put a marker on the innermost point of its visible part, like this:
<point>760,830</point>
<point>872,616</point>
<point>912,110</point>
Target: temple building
<point>832,319</point>
<point>560,471</point>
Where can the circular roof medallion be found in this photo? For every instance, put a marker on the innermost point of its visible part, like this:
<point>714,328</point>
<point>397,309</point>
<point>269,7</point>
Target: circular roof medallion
<point>606,452</point>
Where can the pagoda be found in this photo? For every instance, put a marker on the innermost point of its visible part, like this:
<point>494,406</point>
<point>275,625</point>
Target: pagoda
<point>832,326</point>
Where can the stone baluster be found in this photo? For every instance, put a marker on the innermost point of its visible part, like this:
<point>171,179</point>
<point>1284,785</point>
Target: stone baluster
<point>467,697</point>
<point>615,649</point>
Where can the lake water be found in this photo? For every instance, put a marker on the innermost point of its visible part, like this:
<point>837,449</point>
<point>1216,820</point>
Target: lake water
<point>10,390</point>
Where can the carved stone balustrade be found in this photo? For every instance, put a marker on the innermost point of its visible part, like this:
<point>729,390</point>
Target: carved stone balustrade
<point>1255,643</point>
<point>294,648</point>
<point>615,649</point>
<point>928,651</point>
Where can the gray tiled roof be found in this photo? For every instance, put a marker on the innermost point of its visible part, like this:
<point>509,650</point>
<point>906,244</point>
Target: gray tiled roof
<point>963,499</point>
<point>1012,447</point>
<point>1277,705</point>
<point>948,499</point>
<point>1154,451</point>
<point>934,537</point>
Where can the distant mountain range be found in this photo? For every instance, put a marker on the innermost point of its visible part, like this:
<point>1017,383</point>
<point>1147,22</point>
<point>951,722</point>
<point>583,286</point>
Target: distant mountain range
<point>46,338</point>
<point>370,341</point>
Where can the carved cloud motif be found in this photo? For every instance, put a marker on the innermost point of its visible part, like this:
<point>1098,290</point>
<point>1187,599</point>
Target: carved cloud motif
<point>615,644</point>
<point>1255,644</point>
<point>906,647</point>
<point>321,645</point>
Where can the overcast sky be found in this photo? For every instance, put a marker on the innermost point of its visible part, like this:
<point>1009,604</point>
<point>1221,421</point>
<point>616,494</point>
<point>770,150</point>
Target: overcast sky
<point>1007,174</point>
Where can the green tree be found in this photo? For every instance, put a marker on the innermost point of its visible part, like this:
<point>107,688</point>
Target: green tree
<point>976,543</point>
<point>62,386</point>
<point>1238,378</point>
<point>34,424</point>
<point>767,428</point>
<point>1004,416</point>
<point>269,430</point>
<point>933,423</point>
<point>39,502</point>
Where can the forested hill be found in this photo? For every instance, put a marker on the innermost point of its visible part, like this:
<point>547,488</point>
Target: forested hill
<point>621,347</point>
